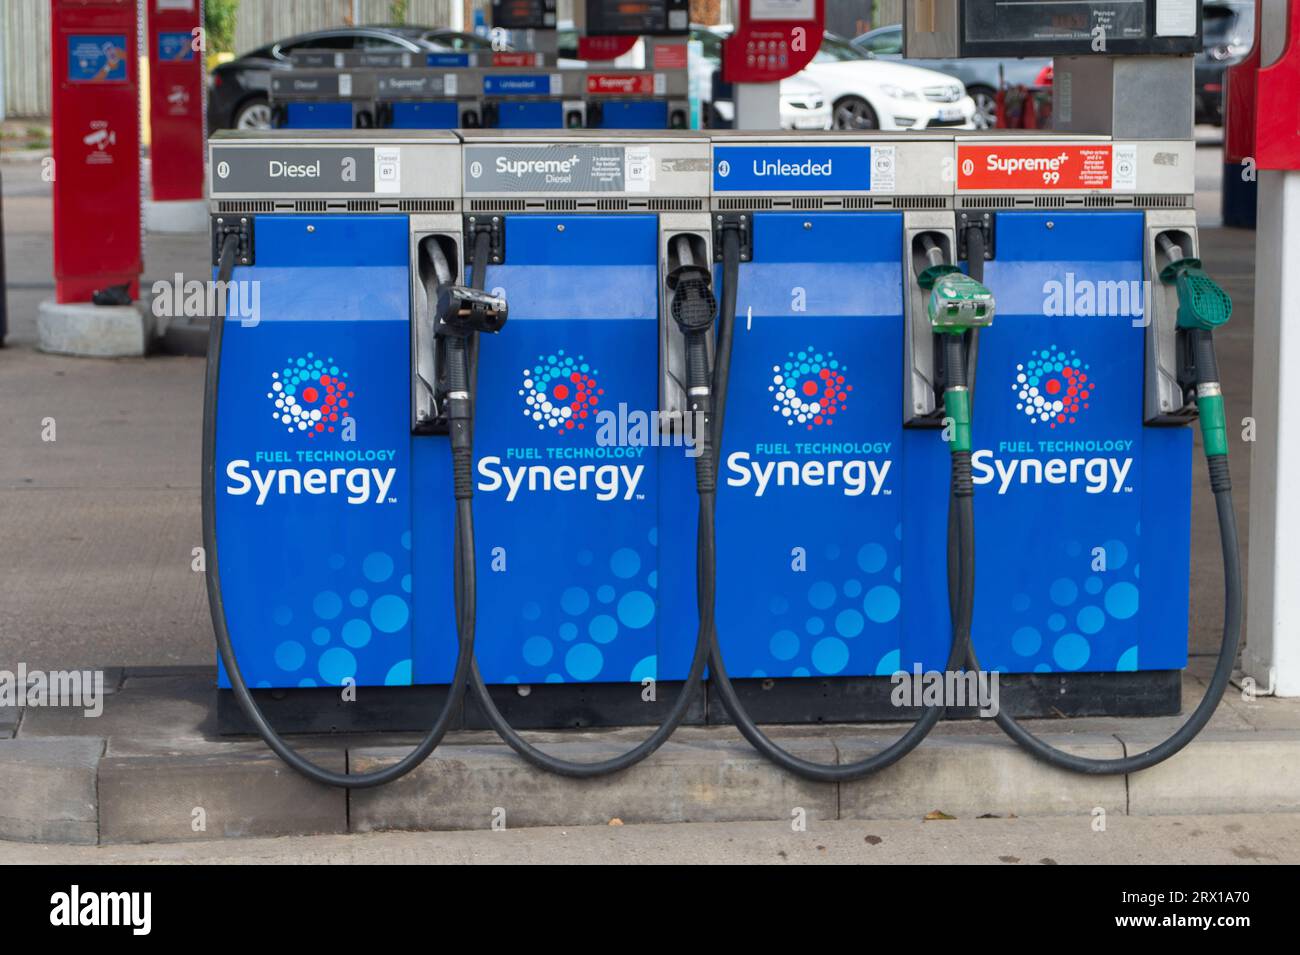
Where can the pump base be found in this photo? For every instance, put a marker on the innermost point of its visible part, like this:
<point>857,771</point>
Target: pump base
<point>93,331</point>
<point>867,699</point>
<point>386,709</point>
<point>401,709</point>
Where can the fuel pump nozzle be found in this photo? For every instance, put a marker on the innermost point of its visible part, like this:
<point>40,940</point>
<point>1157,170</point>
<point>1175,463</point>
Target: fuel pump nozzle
<point>694,308</point>
<point>957,304</point>
<point>1203,305</point>
<point>460,314</point>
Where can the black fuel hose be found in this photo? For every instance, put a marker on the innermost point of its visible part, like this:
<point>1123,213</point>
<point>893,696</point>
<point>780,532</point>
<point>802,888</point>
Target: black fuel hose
<point>1221,486</point>
<point>1213,693</point>
<point>464,544</point>
<point>961,506</point>
<point>685,695</point>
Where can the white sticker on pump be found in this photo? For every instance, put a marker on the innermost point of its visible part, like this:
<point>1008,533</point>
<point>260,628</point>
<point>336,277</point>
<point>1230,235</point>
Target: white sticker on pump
<point>1176,17</point>
<point>661,85</point>
<point>345,84</point>
<point>638,169</point>
<point>449,83</point>
<point>388,170</point>
<point>1124,167</point>
<point>884,168</point>
<point>557,84</point>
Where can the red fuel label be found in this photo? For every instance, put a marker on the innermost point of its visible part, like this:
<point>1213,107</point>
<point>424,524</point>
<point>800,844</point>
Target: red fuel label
<point>1049,166</point>
<point>625,83</point>
<point>515,59</point>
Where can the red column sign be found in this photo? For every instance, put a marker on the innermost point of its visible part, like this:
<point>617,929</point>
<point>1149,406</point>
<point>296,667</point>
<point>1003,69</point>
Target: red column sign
<point>1277,125</point>
<point>773,39</point>
<point>96,133</point>
<point>176,95</point>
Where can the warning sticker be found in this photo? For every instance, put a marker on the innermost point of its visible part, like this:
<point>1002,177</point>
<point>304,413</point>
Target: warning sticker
<point>388,170</point>
<point>884,169</point>
<point>638,169</point>
<point>97,58</point>
<point>670,56</point>
<point>1035,167</point>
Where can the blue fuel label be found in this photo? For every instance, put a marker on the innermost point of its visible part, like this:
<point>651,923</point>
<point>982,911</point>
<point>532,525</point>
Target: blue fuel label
<point>792,168</point>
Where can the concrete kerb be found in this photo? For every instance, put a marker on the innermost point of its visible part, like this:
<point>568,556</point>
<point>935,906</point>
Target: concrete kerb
<point>154,771</point>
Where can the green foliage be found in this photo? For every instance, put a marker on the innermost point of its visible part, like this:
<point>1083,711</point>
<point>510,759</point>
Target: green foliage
<point>219,18</point>
<point>397,10</point>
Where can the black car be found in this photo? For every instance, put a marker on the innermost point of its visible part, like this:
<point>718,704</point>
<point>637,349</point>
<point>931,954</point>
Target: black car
<point>983,75</point>
<point>1229,32</point>
<point>237,91</point>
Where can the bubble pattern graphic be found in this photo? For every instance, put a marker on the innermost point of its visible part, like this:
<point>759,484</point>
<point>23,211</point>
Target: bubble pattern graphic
<point>364,605</point>
<point>809,388</point>
<point>1052,387</point>
<point>583,632</point>
<point>844,616</point>
<point>309,395</point>
<point>560,392</point>
<point>1076,620</point>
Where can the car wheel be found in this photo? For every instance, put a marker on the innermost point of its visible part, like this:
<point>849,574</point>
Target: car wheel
<point>853,112</point>
<point>986,107</point>
<point>254,114</point>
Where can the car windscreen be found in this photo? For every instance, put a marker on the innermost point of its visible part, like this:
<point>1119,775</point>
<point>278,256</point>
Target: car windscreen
<point>837,50</point>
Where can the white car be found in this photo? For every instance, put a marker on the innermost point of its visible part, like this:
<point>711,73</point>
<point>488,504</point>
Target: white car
<point>867,93</point>
<point>803,106</point>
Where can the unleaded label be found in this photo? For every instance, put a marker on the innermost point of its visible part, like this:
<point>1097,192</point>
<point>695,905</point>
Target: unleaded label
<point>792,168</point>
<point>292,169</point>
<point>572,168</point>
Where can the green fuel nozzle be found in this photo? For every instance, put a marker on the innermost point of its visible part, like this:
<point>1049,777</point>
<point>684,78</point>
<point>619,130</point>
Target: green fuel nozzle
<point>957,302</point>
<point>1203,306</point>
<point>1202,302</point>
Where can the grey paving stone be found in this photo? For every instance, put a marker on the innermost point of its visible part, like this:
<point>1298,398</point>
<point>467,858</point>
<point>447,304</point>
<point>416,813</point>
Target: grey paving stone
<point>467,787</point>
<point>195,797</point>
<point>1221,773</point>
<point>47,789</point>
<point>976,776</point>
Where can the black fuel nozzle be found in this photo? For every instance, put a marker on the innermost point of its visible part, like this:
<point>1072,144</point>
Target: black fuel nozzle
<point>463,311</point>
<point>694,308</point>
<point>460,314</point>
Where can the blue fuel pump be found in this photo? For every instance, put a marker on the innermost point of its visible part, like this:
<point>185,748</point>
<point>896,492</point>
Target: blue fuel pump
<point>340,410</point>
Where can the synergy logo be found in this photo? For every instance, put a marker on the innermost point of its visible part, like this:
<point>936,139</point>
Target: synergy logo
<point>809,388</point>
<point>560,392</point>
<point>309,394</point>
<point>1052,387</point>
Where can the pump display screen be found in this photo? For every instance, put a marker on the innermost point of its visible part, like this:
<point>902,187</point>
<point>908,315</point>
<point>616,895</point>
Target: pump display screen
<point>1051,27</point>
<point>637,17</point>
<point>1003,20</point>
<point>523,14</point>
